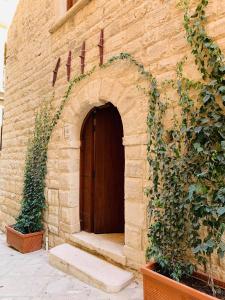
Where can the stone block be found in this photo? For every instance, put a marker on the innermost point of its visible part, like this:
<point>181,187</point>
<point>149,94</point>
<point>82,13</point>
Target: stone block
<point>63,227</point>
<point>105,90</point>
<point>69,181</point>
<point>134,168</point>
<point>70,215</point>
<point>133,189</point>
<point>136,152</point>
<point>131,140</point>
<point>93,91</point>
<point>135,258</point>
<point>53,197</point>
<point>53,210</point>
<point>53,220</point>
<point>53,229</point>
<point>135,214</point>
<point>69,198</point>
<point>133,237</point>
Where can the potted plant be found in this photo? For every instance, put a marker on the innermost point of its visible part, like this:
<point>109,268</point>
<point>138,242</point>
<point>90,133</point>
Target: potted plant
<point>27,234</point>
<point>187,200</point>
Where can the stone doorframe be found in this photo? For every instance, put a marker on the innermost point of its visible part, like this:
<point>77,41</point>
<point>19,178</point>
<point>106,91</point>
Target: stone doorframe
<point>118,85</point>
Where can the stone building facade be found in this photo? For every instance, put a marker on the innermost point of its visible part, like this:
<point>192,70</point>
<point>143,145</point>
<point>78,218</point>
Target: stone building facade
<point>42,31</point>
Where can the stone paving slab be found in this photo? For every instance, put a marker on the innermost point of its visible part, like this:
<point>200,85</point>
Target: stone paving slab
<point>30,277</point>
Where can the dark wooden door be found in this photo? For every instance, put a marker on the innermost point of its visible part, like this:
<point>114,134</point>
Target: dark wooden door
<point>102,175</point>
<point>86,174</point>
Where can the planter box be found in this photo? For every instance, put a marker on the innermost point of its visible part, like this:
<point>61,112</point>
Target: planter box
<point>24,243</point>
<point>159,287</point>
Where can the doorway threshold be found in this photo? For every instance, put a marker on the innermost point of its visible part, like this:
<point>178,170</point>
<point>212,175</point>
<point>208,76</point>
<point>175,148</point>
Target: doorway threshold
<point>109,246</point>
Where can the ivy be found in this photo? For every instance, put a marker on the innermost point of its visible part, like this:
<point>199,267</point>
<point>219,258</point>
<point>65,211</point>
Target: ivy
<point>187,201</point>
<point>33,204</point>
<point>206,146</point>
<point>168,233</point>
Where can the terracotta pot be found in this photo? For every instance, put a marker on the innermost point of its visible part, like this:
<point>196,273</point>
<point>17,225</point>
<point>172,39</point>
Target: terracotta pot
<point>24,243</point>
<point>159,287</point>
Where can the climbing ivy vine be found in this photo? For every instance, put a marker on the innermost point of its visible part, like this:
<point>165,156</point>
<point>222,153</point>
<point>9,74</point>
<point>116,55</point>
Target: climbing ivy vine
<point>206,149</point>
<point>187,200</point>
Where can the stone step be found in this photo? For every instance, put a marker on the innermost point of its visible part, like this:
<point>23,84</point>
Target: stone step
<point>89,268</point>
<point>110,246</point>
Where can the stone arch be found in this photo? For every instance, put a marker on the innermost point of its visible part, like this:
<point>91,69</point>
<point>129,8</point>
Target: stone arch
<point>119,88</point>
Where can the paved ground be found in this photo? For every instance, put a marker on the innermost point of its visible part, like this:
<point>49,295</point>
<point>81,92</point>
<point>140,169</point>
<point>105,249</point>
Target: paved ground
<point>29,276</point>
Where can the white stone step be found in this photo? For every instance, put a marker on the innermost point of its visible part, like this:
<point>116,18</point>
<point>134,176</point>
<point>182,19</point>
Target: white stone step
<point>108,245</point>
<point>89,268</point>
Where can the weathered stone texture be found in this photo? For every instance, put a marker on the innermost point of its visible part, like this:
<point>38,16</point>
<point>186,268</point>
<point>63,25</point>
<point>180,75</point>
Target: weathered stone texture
<point>152,31</point>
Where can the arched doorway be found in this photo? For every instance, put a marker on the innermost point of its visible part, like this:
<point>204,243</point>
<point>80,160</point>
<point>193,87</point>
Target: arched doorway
<point>102,171</point>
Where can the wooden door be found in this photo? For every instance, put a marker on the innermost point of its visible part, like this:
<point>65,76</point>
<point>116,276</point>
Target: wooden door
<point>86,174</point>
<point>102,194</point>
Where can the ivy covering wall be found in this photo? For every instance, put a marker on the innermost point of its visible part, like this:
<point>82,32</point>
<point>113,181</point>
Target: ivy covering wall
<point>187,200</point>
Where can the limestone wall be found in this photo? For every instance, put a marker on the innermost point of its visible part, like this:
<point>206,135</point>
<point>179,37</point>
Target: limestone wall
<point>153,33</point>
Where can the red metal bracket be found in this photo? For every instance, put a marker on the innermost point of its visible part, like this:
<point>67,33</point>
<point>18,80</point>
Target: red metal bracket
<point>68,65</point>
<point>101,47</point>
<point>82,58</point>
<point>55,72</point>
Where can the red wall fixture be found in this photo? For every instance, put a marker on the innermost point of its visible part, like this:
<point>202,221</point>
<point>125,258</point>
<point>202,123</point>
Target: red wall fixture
<point>55,72</point>
<point>101,47</point>
<point>68,65</point>
<point>82,58</point>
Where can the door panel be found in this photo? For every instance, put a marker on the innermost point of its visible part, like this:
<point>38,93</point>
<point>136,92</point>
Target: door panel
<point>109,172</point>
<point>102,172</point>
<point>86,173</point>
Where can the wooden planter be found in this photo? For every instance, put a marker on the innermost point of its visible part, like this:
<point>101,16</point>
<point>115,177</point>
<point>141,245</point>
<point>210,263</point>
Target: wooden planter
<point>159,287</point>
<point>24,243</point>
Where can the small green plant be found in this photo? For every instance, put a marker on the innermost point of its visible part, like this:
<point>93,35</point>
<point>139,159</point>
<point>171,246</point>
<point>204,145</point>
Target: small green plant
<point>33,203</point>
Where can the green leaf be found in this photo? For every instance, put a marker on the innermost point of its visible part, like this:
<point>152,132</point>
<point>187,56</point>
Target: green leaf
<point>198,129</point>
<point>197,249</point>
<point>209,244</point>
<point>221,195</point>
<point>222,89</point>
<point>198,147</point>
<point>222,69</point>
<point>221,211</point>
<point>223,145</point>
<point>191,190</point>
<point>204,120</point>
<point>206,98</point>
<point>221,250</point>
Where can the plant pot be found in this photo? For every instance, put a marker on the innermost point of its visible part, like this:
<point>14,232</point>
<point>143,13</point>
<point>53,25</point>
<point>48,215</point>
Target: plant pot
<point>24,243</point>
<point>159,287</point>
